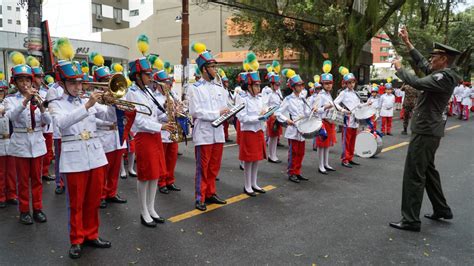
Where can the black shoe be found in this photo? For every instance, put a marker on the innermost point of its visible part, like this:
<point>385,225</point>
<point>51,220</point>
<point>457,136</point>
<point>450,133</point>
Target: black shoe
<point>346,164</point>
<point>98,243</point>
<point>75,251</point>
<point>12,201</point>
<point>158,220</point>
<point>437,216</point>
<point>59,190</point>
<point>145,223</point>
<point>123,176</point>
<point>259,190</point>
<point>315,149</point>
<point>322,172</point>
<point>329,169</point>
<point>293,178</point>
<point>48,178</point>
<point>280,145</point>
<point>132,175</point>
<point>251,194</point>
<point>164,190</point>
<point>272,161</point>
<point>229,141</point>
<point>300,177</point>
<point>406,226</point>
<point>390,134</point>
<point>241,167</point>
<point>354,163</point>
<point>200,206</point>
<point>116,199</point>
<point>215,199</point>
<point>404,132</point>
<point>39,216</point>
<point>180,153</point>
<point>3,204</point>
<point>103,204</point>
<point>217,179</point>
<point>173,187</point>
<point>25,218</point>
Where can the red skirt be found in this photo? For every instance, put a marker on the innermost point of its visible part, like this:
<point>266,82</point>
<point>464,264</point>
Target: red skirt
<point>270,124</point>
<point>237,129</point>
<point>150,155</point>
<point>252,146</point>
<point>331,138</point>
<point>398,99</point>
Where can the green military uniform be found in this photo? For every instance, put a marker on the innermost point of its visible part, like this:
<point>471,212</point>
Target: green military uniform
<point>409,101</point>
<point>427,129</point>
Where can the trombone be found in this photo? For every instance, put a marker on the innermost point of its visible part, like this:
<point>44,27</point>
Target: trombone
<point>117,88</point>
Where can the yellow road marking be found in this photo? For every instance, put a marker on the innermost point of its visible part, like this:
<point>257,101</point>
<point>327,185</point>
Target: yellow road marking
<point>212,207</point>
<point>453,127</point>
<point>230,145</point>
<point>395,146</point>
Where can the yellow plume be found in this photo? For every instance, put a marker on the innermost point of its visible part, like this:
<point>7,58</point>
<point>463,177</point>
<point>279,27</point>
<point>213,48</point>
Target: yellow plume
<point>316,78</point>
<point>2,75</point>
<point>198,47</point>
<point>311,84</point>
<point>269,68</point>
<point>327,65</point>
<point>343,70</point>
<point>221,72</point>
<point>32,61</point>
<point>17,58</point>
<point>65,49</point>
<point>389,80</point>
<point>143,44</point>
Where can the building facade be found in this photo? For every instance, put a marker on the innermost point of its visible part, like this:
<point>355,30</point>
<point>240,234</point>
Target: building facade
<point>12,16</point>
<point>139,10</point>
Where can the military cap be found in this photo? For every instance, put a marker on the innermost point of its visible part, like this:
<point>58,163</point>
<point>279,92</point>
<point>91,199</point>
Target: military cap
<point>439,48</point>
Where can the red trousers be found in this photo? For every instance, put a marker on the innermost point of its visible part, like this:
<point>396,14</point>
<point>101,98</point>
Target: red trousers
<point>386,124</point>
<point>208,164</point>
<point>226,129</point>
<point>48,157</point>
<point>171,156</point>
<point>374,122</point>
<point>348,143</point>
<point>465,112</point>
<point>29,170</point>
<point>57,152</point>
<point>7,178</point>
<point>84,191</point>
<point>112,171</point>
<point>295,156</point>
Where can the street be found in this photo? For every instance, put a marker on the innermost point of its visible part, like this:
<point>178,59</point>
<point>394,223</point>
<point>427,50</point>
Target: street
<point>340,218</point>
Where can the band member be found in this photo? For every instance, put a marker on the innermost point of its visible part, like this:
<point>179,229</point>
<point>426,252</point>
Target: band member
<point>374,100</point>
<point>273,99</point>
<point>7,163</point>
<point>387,103</point>
<point>164,93</point>
<point>38,83</point>
<point>252,144</point>
<point>313,91</point>
<point>25,111</point>
<point>457,93</point>
<point>230,101</point>
<point>325,103</point>
<point>239,95</point>
<point>350,100</point>
<point>208,101</point>
<point>466,102</point>
<point>297,108</point>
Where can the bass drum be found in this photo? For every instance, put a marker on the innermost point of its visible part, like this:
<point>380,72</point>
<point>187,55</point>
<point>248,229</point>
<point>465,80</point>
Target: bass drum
<point>367,144</point>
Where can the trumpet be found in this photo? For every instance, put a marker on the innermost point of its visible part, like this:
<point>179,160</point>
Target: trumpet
<point>116,88</point>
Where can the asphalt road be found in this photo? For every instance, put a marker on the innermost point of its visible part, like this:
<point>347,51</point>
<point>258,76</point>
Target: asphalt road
<point>341,218</point>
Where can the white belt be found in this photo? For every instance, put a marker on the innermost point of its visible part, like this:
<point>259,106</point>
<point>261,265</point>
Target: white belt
<point>85,135</point>
<point>27,129</point>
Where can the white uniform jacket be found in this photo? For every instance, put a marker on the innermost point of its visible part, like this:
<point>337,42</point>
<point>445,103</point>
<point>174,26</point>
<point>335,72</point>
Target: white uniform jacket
<point>4,133</point>
<point>458,91</point>
<point>26,142</point>
<point>55,92</point>
<point>296,108</point>
<point>350,99</point>
<point>206,101</point>
<point>248,117</point>
<point>145,123</point>
<point>324,98</point>
<point>49,127</point>
<point>72,119</point>
<point>375,102</point>
<point>466,96</point>
<point>387,102</point>
<point>109,135</point>
<point>273,98</point>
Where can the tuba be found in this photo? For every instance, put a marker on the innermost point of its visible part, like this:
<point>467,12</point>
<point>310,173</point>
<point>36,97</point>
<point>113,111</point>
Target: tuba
<point>116,88</point>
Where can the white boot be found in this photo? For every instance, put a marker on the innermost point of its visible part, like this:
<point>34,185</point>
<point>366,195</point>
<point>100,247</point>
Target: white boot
<point>142,188</point>
<point>131,163</point>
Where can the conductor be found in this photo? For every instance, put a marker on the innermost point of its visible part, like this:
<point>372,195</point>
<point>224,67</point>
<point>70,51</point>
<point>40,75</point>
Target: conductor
<point>427,129</point>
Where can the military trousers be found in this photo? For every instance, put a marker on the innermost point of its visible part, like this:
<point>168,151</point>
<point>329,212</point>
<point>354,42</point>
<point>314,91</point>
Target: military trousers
<point>420,173</point>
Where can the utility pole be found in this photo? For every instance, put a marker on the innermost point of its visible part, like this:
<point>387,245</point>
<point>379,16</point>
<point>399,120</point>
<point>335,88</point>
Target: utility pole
<point>34,28</point>
<point>184,43</point>
<point>448,6</point>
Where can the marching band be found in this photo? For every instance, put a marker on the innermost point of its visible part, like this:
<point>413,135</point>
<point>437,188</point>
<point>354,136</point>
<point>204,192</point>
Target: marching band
<point>89,124</point>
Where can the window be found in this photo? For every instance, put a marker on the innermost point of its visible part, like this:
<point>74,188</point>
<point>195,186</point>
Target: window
<point>17,9</point>
<point>118,14</point>
<point>95,29</point>
<point>10,21</point>
<point>18,22</point>
<point>134,13</point>
<point>384,49</point>
<point>1,23</point>
<point>96,9</point>
<point>384,41</point>
<point>9,8</point>
<point>143,1</point>
<point>1,9</point>
<point>383,58</point>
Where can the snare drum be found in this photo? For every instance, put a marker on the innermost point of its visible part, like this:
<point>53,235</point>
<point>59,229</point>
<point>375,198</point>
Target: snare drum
<point>334,116</point>
<point>309,127</point>
<point>364,112</point>
<point>368,144</point>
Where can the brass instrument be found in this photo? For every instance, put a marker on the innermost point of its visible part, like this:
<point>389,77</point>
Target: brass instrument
<point>117,88</point>
<point>177,134</point>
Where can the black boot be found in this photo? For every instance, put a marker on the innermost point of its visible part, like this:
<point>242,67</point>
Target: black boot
<point>75,251</point>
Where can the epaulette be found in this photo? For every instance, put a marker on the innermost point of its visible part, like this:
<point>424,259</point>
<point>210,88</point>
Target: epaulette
<point>197,83</point>
<point>10,95</point>
<point>55,85</point>
<point>133,88</point>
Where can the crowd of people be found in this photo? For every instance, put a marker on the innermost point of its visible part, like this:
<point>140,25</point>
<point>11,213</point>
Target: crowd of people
<point>85,123</point>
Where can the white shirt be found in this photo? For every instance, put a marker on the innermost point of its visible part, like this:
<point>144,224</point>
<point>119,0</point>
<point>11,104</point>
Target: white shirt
<point>55,92</point>
<point>26,145</point>
<point>43,93</point>
<point>375,101</point>
<point>296,108</point>
<point>145,123</point>
<point>458,91</point>
<point>248,117</point>
<point>350,99</point>
<point>110,138</point>
<point>273,98</point>
<point>324,99</point>
<point>466,96</point>
<point>304,93</point>
<point>386,104</point>
<point>206,101</point>
<point>72,119</point>
<point>4,131</point>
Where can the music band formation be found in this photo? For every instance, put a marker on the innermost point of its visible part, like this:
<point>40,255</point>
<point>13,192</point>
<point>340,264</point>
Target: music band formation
<point>97,122</point>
